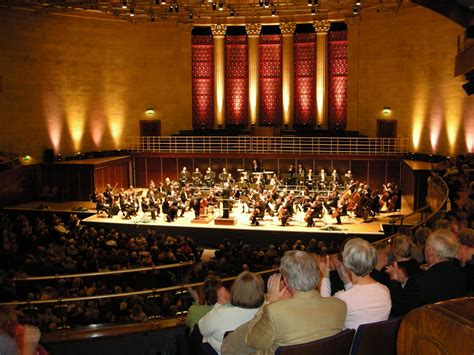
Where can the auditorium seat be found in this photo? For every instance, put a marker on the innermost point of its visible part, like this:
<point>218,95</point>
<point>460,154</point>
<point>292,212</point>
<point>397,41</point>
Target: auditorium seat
<point>377,338</point>
<point>437,329</point>
<point>338,344</point>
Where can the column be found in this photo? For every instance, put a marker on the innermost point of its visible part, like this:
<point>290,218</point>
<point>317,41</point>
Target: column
<point>352,120</point>
<point>288,74</point>
<point>218,32</point>
<point>322,28</point>
<point>253,34</point>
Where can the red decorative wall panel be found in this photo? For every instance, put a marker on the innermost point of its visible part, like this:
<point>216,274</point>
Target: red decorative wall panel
<point>305,78</point>
<point>236,80</point>
<point>337,79</point>
<point>203,81</point>
<point>270,58</point>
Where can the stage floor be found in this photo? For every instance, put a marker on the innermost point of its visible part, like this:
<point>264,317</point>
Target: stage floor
<point>211,234</point>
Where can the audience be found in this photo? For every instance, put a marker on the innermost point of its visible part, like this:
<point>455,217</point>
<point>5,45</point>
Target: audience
<point>367,300</point>
<point>294,312</point>
<point>246,296</point>
<point>441,281</point>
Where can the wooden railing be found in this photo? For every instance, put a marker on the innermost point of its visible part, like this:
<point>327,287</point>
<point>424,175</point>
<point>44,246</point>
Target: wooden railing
<point>269,145</point>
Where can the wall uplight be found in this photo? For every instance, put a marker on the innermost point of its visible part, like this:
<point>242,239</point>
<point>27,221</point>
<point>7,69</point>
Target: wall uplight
<point>150,111</point>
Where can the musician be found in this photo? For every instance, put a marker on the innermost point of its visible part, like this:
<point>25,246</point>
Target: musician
<point>167,186</point>
<point>115,207</point>
<point>334,177</point>
<point>197,177</point>
<point>230,179</point>
<point>196,205</point>
<point>255,166</point>
<point>310,178</point>
<point>223,175</point>
<point>170,208</point>
<point>301,171</point>
<point>315,211</point>
<point>146,207</point>
<point>323,179</point>
<point>108,194</point>
<point>291,175</point>
<point>101,205</point>
<point>183,176</point>
<point>209,177</point>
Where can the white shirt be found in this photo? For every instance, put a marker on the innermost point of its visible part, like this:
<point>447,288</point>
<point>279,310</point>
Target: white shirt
<point>220,319</point>
<point>365,303</point>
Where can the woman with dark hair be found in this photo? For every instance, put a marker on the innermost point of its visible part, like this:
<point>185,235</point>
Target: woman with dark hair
<point>246,296</point>
<point>198,310</point>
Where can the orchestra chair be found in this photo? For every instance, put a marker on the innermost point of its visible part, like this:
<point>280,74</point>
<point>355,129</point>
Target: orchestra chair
<point>377,338</point>
<point>338,344</point>
<point>441,328</point>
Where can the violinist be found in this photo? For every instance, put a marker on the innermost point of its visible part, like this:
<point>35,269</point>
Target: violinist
<point>146,207</point>
<point>101,205</point>
<point>108,194</point>
<point>315,211</point>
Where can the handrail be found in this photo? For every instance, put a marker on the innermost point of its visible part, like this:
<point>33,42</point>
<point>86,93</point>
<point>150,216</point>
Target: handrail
<point>268,145</point>
<point>120,295</point>
<point>102,273</point>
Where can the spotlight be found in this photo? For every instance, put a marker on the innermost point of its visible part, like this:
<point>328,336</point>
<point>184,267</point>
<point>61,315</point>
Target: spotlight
<point>191,16</point>
<point>267,4</point>
<point>214,6</point>
<point>221,6</point>
<point>274,12</point>
<point>124,4</point>
<point>163,2</point>
<point>176,8</point>
<point>310,2</point>
<point>132,11</point>
<point>387,111</point>
<point>260,2</point>
<point>231,13</point>
<point>358,3</point>
<point>355,9</point>
<point>170,9</point>
<point>313,11</point>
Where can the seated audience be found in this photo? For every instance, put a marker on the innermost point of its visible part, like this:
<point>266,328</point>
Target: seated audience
<point>198,310</point>
<point>401,250</point>
<point>246,296</point>
<point>367,300</point>
<point>295,312</point>
<point>442,280</point>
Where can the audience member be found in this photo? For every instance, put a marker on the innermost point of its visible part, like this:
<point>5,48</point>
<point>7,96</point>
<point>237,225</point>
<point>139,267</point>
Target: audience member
<point>441,281</point>
<point>367,300</point>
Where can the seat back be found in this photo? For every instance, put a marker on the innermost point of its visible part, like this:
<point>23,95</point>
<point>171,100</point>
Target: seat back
<point>377,338</point>
<point>442,328</point>
<point>338,344</point>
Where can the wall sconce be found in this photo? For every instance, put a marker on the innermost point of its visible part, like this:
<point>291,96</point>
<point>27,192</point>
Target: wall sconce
<point>26,158</point>
<point>387,111</point>
<point>150,111</point>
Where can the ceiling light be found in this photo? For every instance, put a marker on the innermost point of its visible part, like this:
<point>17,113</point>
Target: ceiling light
<point>310,2</point>
<point>124,4</point>
<point>356,10</point>
<point>221,6</point>
<point>132,11</point>
<point>358,3</point>
<point>170,9</point>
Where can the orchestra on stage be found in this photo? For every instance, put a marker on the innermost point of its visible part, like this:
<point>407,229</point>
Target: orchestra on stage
<point>256,192</point>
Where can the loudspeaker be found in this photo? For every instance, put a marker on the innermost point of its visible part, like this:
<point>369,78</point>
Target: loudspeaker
<point>48,156</point>
<point>469,87</point>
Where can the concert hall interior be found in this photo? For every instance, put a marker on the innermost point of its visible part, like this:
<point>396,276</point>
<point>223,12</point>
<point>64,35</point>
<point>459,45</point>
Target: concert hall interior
<point>148,147</point>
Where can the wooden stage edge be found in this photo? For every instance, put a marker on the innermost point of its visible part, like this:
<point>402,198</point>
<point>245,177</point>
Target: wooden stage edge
<point>211,234</point>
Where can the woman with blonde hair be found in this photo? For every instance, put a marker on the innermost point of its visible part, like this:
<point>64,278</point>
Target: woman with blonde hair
<point>246,296</point>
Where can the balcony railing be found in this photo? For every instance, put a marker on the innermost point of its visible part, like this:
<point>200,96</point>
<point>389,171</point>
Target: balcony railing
<point>268,145</point>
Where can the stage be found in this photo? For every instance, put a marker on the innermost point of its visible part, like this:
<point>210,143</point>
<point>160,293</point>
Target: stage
<point>210,234</point>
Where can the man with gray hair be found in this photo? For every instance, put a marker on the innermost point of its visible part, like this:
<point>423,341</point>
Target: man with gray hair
<point>442,280</point>
<point>294,312</point>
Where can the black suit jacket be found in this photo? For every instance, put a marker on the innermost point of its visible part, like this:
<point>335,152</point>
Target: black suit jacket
<point>440,282</point>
